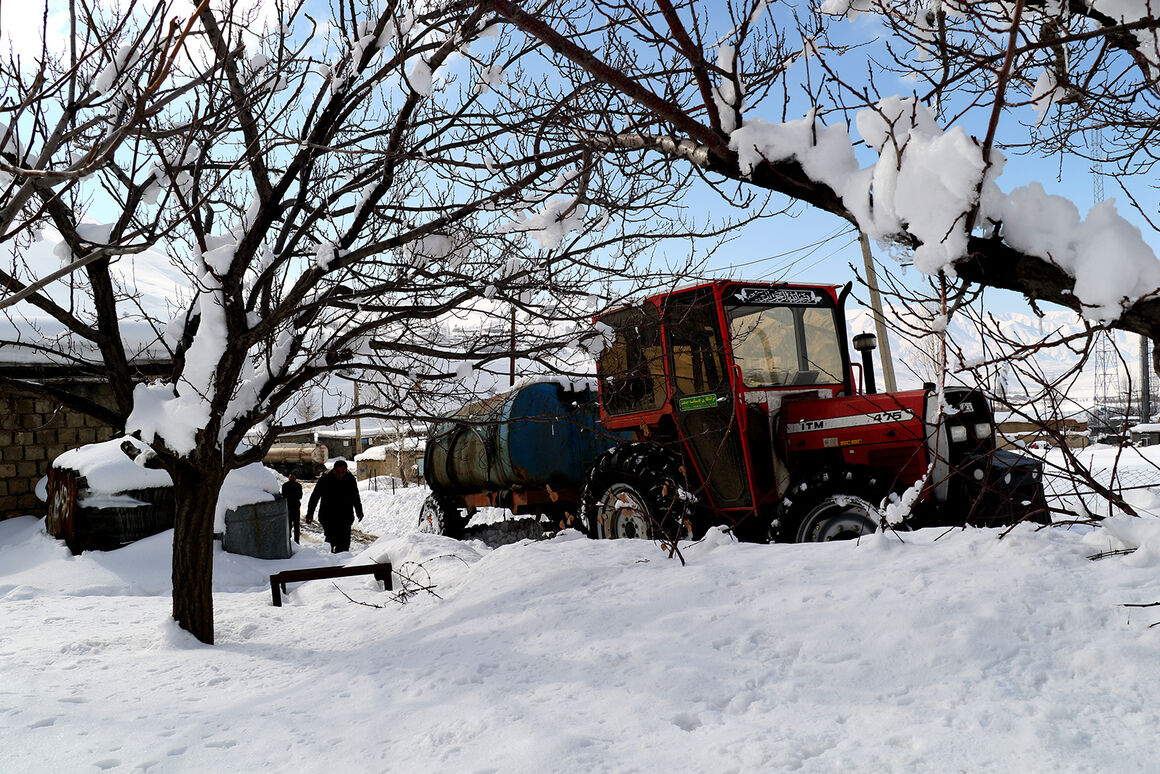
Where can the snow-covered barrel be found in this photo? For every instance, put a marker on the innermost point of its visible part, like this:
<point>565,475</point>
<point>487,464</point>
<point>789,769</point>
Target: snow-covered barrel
<point>100,499</point>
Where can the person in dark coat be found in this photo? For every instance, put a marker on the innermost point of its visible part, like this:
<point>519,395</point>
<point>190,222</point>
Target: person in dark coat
<point>292,491</point>
<point>336,495</point>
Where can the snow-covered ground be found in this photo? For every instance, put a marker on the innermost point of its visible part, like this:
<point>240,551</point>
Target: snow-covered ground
<point>387,510</point>
<point>929,652</point>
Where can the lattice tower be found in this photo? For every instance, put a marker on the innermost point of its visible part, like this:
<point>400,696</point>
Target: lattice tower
<point>1105,393</point>
<point>1105,360</point>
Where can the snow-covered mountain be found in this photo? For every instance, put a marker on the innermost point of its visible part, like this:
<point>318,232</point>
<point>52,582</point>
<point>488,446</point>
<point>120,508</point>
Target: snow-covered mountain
<point>913,364</point>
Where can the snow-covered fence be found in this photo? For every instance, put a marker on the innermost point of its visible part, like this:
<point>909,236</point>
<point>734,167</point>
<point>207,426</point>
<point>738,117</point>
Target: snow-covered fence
<point>1131,474</point>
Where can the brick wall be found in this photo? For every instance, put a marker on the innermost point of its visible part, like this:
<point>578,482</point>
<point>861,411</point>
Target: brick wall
<point>33,431</point>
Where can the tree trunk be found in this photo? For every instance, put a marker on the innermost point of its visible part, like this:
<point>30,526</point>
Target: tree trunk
<point>195,496</point>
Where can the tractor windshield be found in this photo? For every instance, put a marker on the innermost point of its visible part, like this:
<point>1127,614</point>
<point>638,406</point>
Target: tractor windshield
<point>776,346</point>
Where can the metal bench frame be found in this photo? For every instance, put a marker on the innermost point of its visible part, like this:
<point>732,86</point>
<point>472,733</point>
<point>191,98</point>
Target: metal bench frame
<point>381,571</point>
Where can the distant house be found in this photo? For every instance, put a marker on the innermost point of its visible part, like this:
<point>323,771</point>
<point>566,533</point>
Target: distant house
<point>1017,429</point>
<point>1147,434</point>
<point>396,459</point>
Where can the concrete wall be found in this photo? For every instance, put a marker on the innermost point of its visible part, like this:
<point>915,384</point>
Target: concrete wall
<point>406,470</point>
<point>33,431</point>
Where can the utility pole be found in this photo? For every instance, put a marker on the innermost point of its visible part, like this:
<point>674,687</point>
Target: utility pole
<point>512,373</point>
<point>357,425</point>
<point>879,319</point>
<point>1145,382</point>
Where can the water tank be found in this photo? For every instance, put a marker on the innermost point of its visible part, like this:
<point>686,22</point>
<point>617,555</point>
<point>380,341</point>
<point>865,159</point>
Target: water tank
<point>536,435</point>
<point>296,452</point>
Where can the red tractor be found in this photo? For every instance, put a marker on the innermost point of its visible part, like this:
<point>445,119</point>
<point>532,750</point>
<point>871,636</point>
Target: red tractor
<point>736,403</point>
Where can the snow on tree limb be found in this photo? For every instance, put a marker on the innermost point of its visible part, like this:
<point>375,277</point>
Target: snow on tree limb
<point>929,189</point>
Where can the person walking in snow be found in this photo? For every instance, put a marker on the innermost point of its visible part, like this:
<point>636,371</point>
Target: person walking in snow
<point>292,491</point>
<point>336,495</point>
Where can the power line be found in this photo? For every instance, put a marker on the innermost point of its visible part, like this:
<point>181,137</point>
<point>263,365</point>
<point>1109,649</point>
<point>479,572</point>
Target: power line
<point>811,248</point>
<point>828,255</point>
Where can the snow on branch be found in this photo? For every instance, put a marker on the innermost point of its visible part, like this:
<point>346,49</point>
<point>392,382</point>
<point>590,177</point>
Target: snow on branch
<point>925,184</point>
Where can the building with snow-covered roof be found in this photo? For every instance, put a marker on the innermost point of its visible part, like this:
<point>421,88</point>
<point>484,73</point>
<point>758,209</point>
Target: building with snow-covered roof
<point>1146,434</point>
<point>36,350</point>
<point>34,429</point>
<point>1030,426</point>
<point>398,458</point>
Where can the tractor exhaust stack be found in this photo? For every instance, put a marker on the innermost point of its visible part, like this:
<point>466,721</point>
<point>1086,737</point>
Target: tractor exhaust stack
<point>866,343</point>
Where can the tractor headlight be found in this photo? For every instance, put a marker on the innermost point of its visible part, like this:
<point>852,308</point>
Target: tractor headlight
<point>983,430</point>
<point>958,433</point>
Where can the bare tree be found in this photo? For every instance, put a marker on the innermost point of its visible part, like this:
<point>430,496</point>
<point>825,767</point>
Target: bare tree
<point>383,194</point>
<point>390,195</point>
<point>306,407</point>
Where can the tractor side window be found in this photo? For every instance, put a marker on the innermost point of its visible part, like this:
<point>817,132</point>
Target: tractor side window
<point>823,352</point>
<point>631,367</point>
<point>695,343</point>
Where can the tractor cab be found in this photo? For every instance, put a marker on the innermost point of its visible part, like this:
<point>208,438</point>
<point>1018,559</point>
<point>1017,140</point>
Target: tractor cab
<point>784,337</point>
<point>704,371</point>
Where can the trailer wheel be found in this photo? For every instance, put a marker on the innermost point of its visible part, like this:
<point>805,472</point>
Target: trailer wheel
<point>440,516</point>
<point>634,491</point>
<point>830,506</point>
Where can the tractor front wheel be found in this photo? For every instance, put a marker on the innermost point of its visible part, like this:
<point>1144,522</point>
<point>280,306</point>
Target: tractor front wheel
<point>838,517</point>
<point>830,506</point>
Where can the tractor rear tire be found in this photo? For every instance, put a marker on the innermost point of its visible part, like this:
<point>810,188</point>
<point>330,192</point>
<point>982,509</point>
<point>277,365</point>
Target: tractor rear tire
<point>830,506</point>
<point>440,516</point>
<point>636,491</point>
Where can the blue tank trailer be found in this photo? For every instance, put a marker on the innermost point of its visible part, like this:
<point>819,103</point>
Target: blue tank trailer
<point>527,450</point>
